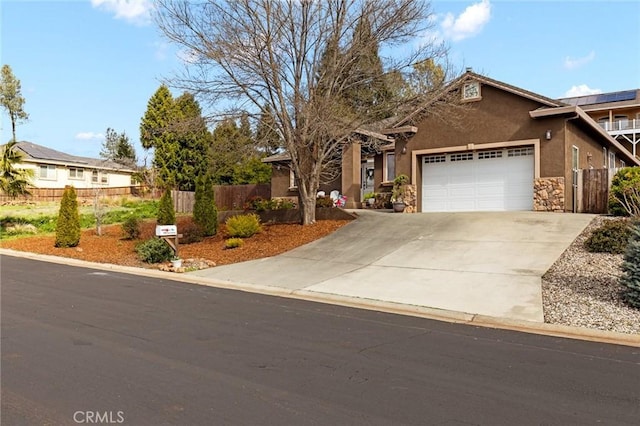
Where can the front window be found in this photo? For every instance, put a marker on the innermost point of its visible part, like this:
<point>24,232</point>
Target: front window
<point>97,177</point>
<point>47,171</point>
<point>389,166</point>
<point>612,160</point>
<point>75,173</point>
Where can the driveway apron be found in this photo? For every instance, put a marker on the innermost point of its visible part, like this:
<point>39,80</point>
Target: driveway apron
<point>487,263</point>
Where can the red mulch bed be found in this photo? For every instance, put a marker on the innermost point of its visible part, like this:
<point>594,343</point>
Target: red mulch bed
<point>110,247</point>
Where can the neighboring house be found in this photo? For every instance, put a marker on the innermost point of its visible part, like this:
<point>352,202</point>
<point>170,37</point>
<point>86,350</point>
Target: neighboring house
<point>55,169</point>
<point>617,112</point>
<point>507,149</point>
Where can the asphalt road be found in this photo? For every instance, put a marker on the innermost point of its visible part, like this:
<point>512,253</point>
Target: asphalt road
<point>80,344</point>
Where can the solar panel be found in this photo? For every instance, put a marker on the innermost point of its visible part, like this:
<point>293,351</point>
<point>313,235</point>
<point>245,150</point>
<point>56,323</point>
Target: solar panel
<point>627,95</point>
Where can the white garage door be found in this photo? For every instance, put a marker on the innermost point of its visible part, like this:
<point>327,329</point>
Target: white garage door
<point>493,180</point>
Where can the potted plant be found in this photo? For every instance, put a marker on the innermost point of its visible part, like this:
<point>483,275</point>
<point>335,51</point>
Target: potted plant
<point>176,262</point>
<point>369,199</point>
<point>397,193</point>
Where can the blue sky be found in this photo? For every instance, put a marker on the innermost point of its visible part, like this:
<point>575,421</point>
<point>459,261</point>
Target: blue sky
<point>86,65</point>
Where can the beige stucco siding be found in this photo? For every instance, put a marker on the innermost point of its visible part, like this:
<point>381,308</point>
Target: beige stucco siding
<point>280,182</point>
<point>61,177</point>
<point>498,117</point>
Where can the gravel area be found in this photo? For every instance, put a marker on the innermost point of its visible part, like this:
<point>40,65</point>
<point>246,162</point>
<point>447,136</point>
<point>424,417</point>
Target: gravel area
<point>581,289</point>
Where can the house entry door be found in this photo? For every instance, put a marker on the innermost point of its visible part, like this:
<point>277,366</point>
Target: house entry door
<point>366,177</point>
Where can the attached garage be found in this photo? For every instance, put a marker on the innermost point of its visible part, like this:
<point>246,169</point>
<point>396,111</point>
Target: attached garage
<point>489,180</point>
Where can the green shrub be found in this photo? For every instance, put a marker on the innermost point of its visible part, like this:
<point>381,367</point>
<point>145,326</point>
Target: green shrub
<point>166,213</point>
<point>205,212</point>
<point>611,237</point>
<point>131,228</point>
<point>630,278</point>
<point>233,243</point>
<point>625,182</point>
<point>282,204</point>
<point>243,226</point>
<point>260,204</point>
<point>191,233</point>
<point>155,250</point>
<point>68,224</point>
<point>322,202</point>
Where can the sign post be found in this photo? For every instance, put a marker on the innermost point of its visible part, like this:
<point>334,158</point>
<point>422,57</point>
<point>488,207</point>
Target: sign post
<point>169,233</point>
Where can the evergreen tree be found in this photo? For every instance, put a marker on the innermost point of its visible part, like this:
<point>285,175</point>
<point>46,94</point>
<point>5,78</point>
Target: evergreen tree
<point>205,212</point>
<point>268,140</point>
<point>117,147</point>
<point>235,159</point>
<point>198,202</point>
<point>631,268</point>
<point>68,224</point>
<point>166,212</point>
<point>251,171</point>
<point>226,152</point>
<point>11,98</point>
<point>178,133</point>
<point>245,129</point>
<point>193,139</point>
<point>157,119</point>
<point>366,88</point>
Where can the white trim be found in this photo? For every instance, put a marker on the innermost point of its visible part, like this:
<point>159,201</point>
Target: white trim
<point>48,176</point>
<point>76,169</point>
<point>292,179</point>
<point>101,178</point>
<point>612,159</point>
<point>385,166</point>
<point>477,86</point>
<point>474,147</point>
<point>577,151</point>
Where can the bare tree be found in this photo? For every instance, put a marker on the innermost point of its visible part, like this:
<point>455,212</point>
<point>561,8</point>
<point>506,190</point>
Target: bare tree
<point>296,57</point>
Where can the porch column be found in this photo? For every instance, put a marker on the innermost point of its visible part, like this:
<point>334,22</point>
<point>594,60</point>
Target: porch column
<point>351,179</point>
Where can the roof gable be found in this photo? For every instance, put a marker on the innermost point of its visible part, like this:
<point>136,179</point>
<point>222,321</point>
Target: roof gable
<point>472,76</point>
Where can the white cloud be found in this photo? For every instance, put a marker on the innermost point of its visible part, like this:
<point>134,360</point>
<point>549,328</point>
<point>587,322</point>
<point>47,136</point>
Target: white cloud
<point>133,11</point>
<point>581,90</point>
<point>571,63</point>
<point>87,136</point>
<point>469,23</point>
<point>188,56</point>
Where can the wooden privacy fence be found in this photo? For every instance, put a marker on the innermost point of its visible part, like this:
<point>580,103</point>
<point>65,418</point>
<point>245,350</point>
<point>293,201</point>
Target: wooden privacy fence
<point>228,197</point>
<point>592,190</point>
<point>55,194</point>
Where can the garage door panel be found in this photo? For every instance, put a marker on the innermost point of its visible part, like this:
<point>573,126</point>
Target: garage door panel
<point>491,181</point>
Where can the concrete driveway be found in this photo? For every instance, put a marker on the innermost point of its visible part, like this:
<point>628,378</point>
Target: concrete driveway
<point>476,263</point>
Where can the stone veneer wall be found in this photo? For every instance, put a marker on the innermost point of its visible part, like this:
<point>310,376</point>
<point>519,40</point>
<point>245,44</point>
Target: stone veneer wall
<point>410,199</point>
<point>548,194</point>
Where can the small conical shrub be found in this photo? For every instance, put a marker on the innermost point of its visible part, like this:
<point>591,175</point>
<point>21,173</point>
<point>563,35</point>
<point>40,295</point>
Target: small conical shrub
<point>166,212</point>
<point>68,225</point>
<point>630,278</point>
<point>207,215</point>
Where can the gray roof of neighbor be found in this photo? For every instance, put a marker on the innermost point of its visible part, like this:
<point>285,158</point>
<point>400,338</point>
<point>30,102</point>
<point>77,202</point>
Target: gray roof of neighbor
<point>43,154</point>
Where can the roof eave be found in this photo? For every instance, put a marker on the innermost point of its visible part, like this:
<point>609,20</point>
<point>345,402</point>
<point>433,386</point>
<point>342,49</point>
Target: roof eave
<point>577,112</point>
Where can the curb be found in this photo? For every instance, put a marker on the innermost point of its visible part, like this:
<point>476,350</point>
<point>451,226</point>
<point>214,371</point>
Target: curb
<point>555,330</point>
